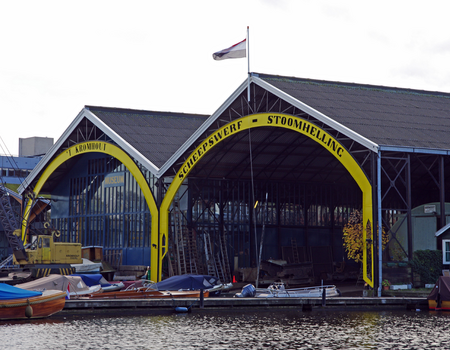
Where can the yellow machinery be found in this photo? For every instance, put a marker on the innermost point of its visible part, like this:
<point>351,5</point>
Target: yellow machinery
<point>49,256</point>
<point>46,255</point>
<point>49,252</point>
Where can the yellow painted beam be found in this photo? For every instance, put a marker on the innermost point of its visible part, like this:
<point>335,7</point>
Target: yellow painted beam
<point>297,124</point>
<point>125,159</point>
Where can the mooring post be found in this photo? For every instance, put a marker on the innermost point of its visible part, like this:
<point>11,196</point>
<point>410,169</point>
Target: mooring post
<point>307,307</point>
<point>324,303</point>
<point>201,299</point>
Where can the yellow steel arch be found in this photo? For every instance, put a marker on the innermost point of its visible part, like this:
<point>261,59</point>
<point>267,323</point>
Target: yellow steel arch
<point>275,120</point>
<point>114,151</point>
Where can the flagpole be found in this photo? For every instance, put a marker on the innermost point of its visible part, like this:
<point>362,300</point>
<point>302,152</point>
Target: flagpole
<point>248,64</point>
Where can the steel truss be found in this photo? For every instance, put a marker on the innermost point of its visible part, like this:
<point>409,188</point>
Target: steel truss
<point>409,180</point>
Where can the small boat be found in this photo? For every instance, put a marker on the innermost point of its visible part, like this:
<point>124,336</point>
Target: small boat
<point>87,266</point>
<point>184,286</point>
<point>17,303</point>
<point>145,292</point>
<point>16,277</point>
<point>278,290</point>
<point>439,297</point>
<point>74,286</point>
<point>193,282</point>
<point>131,284</point>
<point>95,279</point>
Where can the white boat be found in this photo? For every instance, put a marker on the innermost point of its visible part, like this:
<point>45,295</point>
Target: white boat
<point>113,287</point>
<point>223,287</point>
<point>278,290</point>
<point>87,266</point>
<point>95,279</point>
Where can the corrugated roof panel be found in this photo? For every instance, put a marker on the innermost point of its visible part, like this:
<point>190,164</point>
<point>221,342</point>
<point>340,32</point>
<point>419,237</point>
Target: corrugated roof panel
<point>156,135</point>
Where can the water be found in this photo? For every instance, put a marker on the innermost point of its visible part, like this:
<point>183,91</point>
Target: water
<point>240,329</point>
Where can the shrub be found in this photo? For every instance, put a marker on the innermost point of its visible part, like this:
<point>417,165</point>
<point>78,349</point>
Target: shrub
<point>428,264</point>
<point>353,236</point>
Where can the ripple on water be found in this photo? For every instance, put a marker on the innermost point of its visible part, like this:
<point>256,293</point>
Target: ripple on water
<point>242,329</point>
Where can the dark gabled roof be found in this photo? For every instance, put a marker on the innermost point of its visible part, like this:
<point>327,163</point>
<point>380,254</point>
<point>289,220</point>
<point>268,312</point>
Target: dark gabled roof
<point>384,115</point>
<point>156,135</point>
<point>370,116</point>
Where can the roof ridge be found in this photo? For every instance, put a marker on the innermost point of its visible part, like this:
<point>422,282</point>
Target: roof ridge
<point>355,86</point>
<point>143,111</point>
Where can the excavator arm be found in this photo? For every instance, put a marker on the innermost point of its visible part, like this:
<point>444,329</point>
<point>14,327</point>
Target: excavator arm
<point>11,226</point>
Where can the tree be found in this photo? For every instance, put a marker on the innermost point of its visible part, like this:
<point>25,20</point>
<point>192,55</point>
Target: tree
<point>353,236</point>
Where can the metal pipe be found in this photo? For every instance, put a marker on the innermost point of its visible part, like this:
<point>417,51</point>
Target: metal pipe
<point>202,300</point>
<point>409,210</point>
<point>380,226</point>
<point>442,191</point>
<point>262,239</point>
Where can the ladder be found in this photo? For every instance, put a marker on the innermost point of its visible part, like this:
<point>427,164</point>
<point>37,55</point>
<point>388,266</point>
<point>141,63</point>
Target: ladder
<point>217,265</point>
<point>220,268</point>
<point>179,259</point>
<point>192,256</point>
<point>183,253</point>
<point>210,263</point>
<point>223,259</point>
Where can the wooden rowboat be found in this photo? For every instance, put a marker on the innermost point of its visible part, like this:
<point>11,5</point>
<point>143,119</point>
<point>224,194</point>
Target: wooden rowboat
<point>40,306</point>
<point>144,293</point>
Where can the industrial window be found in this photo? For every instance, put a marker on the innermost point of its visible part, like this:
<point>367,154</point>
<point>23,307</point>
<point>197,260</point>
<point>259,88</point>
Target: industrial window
<point>115,216</point>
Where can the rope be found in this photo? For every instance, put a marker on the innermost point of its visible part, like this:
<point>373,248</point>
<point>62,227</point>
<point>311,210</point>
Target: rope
<point>253,202</point>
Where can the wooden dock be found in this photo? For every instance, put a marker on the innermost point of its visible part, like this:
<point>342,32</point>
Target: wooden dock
<point>413,303</point>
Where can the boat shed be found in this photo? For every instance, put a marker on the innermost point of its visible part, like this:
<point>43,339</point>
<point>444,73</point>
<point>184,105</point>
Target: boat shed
<point>274,173</point>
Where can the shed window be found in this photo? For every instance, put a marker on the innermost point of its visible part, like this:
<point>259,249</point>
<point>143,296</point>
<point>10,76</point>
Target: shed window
<point>446,251</point>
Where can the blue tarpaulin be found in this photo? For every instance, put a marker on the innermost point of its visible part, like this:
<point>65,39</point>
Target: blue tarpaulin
<point>188,282</point>
<point>93,279</point>
<point>8,292</point>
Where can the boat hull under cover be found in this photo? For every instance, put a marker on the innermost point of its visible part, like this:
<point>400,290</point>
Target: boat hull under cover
<point>439,297</point>
<point>433,305</point>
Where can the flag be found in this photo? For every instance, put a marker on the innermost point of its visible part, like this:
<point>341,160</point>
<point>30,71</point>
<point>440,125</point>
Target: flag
<point>238,50</point>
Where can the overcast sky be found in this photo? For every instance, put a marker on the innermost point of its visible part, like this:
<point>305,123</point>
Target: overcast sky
<point>58,56</point>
